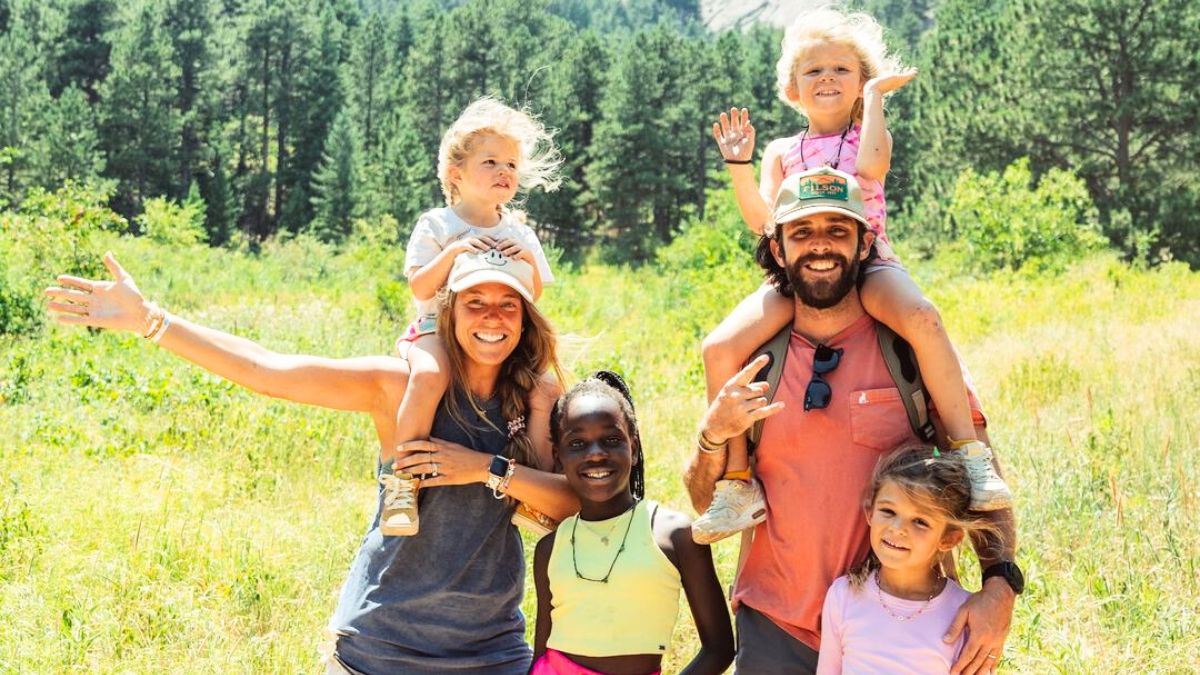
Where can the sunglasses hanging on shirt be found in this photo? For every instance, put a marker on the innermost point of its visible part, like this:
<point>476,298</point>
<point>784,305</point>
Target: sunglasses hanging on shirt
<point>818,393</point>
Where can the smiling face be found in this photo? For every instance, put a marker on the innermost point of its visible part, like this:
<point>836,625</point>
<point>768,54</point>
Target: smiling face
<point>821,253</point>
<point>487,176</point>
<point>906,535</point>
<point>595,450</point>
<point>487,323</point>
<point>828,80</point>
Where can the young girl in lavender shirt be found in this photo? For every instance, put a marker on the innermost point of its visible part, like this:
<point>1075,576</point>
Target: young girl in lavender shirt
<point>888,615</point>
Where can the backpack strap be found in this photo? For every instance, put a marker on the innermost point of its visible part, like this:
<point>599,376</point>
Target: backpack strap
<point>902,365</point>
<point>776,350</point>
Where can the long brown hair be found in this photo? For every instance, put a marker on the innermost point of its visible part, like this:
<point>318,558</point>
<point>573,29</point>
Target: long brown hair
<point>935,480</point>
<point>535,355</point>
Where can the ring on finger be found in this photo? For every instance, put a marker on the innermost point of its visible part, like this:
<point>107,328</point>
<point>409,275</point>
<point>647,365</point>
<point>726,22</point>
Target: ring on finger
<point>435,470</point>
<point>991,656</point>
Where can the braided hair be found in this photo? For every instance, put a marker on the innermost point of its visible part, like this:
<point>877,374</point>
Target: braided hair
<point>609,384</point>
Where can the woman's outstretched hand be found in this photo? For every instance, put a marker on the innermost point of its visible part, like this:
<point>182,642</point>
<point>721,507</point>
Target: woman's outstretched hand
<point>116,304</point>
<point>735,135</point>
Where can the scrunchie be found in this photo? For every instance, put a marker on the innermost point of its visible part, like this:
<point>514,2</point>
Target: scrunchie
<point>516,426</point>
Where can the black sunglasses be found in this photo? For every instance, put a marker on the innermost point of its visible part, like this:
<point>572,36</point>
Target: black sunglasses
<point>818,393</point>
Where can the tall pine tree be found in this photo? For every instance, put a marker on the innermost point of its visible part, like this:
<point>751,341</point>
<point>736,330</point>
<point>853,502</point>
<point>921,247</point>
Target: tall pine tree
<point>139,121</point>
<point>571,216</point>
<point>24,100</point>
<point>335,198</point>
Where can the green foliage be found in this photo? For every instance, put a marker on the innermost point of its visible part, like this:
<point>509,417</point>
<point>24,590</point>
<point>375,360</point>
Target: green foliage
<point>241,97</point>
<point>1119,107</point>
<point>1101,87</point>
<point>335,185</point>
<point>71,148</point>
<point>173,224</point>
<point>1006,221</point>
<point>24,99</point>
<point>217,194</point>
<point>19,310</point>
<point>51,233</point>
<point>140,122</point>
<point>713,244</point>
<point>1093,421</point>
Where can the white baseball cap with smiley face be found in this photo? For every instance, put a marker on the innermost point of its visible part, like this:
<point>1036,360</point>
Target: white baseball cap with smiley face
<point>492,266</point>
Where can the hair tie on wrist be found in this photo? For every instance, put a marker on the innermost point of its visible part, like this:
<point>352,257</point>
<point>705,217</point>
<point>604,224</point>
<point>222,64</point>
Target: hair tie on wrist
<point>739,161</point>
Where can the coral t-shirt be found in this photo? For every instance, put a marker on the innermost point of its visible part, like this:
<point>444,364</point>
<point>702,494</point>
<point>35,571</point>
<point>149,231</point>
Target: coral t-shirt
<point>815,467</point>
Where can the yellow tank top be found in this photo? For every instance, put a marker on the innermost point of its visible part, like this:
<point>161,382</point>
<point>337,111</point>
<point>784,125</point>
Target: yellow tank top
<point>635,612</point>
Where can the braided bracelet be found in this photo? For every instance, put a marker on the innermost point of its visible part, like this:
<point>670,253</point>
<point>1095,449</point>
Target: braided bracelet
<point>706,444</point>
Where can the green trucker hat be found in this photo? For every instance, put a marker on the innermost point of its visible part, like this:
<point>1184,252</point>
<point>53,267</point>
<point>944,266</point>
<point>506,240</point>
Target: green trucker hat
<point>818,190</point>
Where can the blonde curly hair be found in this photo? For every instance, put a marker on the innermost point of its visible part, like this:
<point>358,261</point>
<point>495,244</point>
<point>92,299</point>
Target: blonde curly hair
<point>539,158</point>
<point>829,25</point>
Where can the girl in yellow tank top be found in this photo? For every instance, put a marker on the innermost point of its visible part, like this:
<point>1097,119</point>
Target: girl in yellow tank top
<point>608,579</point>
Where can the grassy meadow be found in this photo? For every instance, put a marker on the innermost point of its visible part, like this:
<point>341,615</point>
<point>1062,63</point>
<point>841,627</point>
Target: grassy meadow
<point>156,519</point>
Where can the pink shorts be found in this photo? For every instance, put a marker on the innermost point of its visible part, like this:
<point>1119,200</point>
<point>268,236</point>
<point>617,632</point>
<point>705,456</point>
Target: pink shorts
<point>421,326</point>
<point>554,662</point>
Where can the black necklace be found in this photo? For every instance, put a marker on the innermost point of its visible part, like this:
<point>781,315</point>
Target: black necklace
<point>620,550</point>
<point>836,159</point>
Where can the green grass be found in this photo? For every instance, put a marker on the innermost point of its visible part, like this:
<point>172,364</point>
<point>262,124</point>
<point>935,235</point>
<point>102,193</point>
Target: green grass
<point>154,518</point>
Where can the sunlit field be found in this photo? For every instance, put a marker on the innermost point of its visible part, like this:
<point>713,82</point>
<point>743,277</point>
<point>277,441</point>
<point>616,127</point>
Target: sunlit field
<point>156,519</point>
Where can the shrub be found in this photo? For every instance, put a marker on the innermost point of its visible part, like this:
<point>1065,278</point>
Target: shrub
<point>1007,221</point>
<point>166,222</point>
<point>50,233</point>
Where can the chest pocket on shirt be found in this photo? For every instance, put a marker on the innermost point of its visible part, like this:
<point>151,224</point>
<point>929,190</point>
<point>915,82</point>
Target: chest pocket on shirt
<point>878,420</point>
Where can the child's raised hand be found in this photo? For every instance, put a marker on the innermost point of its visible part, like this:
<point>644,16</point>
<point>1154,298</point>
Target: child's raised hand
<point>513,249</point>
<point>735,135</point>
<point>480,244</point>
<point>889,82</point>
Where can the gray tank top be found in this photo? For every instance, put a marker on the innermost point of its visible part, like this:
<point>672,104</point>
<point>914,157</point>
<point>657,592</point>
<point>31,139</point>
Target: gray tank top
<point>447,600</point>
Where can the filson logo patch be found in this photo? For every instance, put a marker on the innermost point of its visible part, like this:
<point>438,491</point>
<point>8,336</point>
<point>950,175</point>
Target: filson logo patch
<point>823,187</point>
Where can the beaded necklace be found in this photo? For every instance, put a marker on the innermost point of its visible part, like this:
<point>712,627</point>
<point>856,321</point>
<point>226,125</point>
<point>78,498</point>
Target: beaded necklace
<point>902,617</point>
<point>836,158</point>
<point>620,550</point>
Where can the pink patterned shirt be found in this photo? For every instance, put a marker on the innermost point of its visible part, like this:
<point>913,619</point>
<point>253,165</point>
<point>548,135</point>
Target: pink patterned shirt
<point>831,150</point>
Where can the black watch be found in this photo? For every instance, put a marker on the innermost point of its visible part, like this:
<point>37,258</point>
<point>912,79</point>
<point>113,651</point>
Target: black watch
<point>1009,571</point>
<point>496,471</point>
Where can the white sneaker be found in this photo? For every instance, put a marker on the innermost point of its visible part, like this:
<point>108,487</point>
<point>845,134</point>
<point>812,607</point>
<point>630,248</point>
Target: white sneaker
<point>989,492</point>
<point>736,505</point>
<point>399,517</point>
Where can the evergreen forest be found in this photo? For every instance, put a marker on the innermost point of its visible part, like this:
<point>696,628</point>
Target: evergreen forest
<point>251,119</point>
